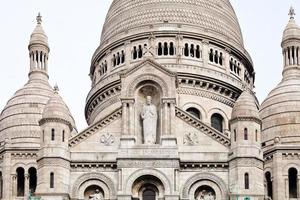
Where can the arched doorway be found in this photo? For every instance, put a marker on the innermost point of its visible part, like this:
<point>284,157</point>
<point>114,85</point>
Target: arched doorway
<point>20,181</point>
<point>147,187</point>
<point>32,179</point>
<point>205,193</point>
<point>93,192</point>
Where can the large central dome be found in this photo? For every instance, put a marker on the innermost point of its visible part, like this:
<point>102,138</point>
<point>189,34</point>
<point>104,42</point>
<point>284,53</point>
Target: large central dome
<point>209,17</point>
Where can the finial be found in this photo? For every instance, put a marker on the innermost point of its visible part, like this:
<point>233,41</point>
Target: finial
<point>292,13</point>
<point>39,19</point>
<point>56,89</point>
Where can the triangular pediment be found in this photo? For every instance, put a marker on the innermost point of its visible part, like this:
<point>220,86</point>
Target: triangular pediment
<point>148,65</point>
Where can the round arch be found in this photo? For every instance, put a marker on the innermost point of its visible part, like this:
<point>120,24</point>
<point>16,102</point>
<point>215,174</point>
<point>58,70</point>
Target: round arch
<point>89,179</point>
<point>286,168</point>
<point>148,78</point>
<point>147,172</point>
<point>198,106</point>
<point>209,179</point>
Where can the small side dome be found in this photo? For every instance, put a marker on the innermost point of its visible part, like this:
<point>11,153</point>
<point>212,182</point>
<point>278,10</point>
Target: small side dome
<point>39,36</point>
<point>57,109</point>
<point>292,30</point>
<point>246,106</point>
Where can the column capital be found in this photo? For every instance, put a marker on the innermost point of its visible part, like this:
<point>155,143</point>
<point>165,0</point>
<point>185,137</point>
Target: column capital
<point>128,100</point>
<point>168,100</point>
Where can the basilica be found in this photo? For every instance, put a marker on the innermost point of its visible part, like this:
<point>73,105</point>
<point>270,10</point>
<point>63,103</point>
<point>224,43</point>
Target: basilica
<point>171,114</point>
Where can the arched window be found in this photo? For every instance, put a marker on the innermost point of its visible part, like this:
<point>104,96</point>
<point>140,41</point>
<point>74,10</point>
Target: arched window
<point>114,60</point>
<point>256,135</point>
<point>122,57</point>
<point>20,182</point>
<point>172,49</point>
<point>63,136</point>
<point>247,181</point>
<point>1,185</point>
<point>149,194</point>
<point>192,51</point>
<point>140,52</point>
<point>217,122</point>
<point>134,53</point>
<point>221,59</point>
<point>216,58</point>
<point>53,134</point>
<point>195,112</point>
<point>234,135</point>
<point>186,50</point>
<point>245,134</point>
<point>32,179</point>
<point>231,64</point>
<point>293,185</point>
<point>198,51</point>
<point>51,180</point>
<point>159,50</point>
<point>269,185</point>
<point>166,50</point>
<point>211,55</point>
<point>118,59</point>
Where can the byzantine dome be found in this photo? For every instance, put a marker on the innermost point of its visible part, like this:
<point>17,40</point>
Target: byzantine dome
<point>211,17</point>
<point>19,120</point>
<point>245,106</point>
<point>199,40</point>
<point>280,111</point>
<point>57,109</point>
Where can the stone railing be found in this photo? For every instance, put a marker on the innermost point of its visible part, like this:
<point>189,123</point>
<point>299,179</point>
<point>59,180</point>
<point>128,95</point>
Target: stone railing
<point>204,128</point>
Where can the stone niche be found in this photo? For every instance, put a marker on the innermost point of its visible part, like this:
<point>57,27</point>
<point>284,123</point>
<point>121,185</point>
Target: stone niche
<point>148,78</point>
<point>147,88</point>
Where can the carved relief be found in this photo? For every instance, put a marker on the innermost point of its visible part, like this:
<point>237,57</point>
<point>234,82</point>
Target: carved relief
<point>107,139</point>
<point>191,139</point>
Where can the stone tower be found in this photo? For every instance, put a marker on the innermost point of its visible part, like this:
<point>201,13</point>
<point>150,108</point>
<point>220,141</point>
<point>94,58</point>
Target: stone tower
<point>246,158</point>
<point>54,154</point>
<point>280,113</point>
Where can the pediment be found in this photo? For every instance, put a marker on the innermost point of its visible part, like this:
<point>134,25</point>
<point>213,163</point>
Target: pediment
<point>150,72</point>
<point>148,66</point>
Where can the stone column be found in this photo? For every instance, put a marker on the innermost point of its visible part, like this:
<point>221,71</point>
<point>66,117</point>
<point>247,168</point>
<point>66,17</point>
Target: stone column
<point>14,185</point>
<point>205,52</point>
<point>26,185</point>
<point>291,55</point>
<point>108,61</point>
<point>124,118</point>
<point>295,57</point>
<point>168,138</point>
<point>127,52</point>
<point>286,57</point>
<point>131,117</point>
<point>227,60</point>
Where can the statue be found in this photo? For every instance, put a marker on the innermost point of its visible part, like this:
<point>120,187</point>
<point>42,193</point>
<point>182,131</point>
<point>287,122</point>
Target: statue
<point>96,196</point>
<point>204,195</point>
<point>149,116</point>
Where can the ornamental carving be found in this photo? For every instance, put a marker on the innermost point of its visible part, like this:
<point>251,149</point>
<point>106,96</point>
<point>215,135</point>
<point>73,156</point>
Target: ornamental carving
<point>107,139</point>
<point>191,139</point>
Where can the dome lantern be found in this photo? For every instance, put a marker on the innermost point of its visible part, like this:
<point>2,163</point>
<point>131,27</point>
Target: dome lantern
<point>38,52</point>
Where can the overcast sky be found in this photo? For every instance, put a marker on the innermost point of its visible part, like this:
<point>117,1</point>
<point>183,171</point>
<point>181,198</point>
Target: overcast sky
<point>74,28</point>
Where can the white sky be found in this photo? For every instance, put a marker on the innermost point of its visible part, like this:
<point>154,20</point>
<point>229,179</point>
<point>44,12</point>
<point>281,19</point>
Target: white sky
<point>74,29</point>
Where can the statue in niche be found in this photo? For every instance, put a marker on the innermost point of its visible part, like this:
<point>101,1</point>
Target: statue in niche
<point>149,116</point>
<point>96,196</point>
<point>206,195</point>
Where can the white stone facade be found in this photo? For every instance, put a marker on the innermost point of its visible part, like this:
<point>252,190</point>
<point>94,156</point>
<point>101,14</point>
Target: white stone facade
<point>212,140</point>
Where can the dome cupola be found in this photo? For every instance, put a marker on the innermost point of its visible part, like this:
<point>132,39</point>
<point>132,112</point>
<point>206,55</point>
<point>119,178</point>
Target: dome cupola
<point>246,106</point>
<point>280,111</point>
<point>56,109</point>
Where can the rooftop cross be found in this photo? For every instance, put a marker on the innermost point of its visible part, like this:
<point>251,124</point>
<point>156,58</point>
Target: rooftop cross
<point>292,13</point>
<point>39,19</point>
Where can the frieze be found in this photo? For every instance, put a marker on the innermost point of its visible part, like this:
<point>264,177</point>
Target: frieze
<point>246,162</point>
<point>22,155</point>
<point>148,163</point>
<point>291,156</point>
<point>148,153</point>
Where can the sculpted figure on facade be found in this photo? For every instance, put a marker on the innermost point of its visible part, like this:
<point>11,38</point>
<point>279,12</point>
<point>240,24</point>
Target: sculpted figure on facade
<point>96,196</point>
<point>149,116</point>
